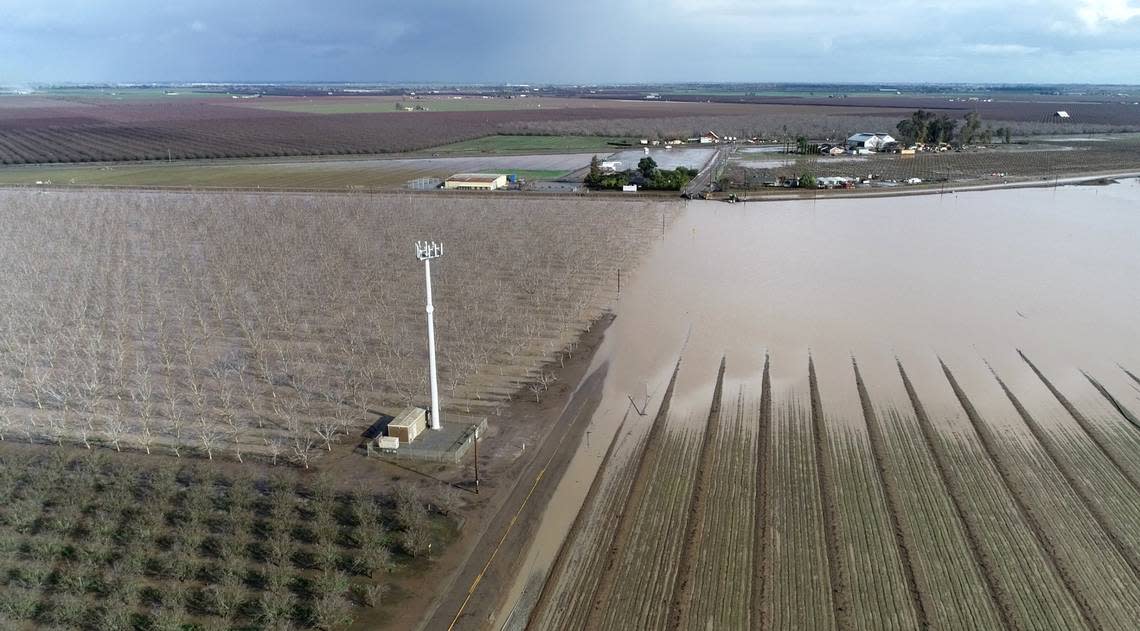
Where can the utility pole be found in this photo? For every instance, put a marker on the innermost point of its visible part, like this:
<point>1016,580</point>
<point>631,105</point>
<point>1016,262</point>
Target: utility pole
<point>426,251</point>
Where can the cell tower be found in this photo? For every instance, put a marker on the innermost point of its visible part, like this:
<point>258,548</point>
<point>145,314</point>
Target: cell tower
<point>426,251</point>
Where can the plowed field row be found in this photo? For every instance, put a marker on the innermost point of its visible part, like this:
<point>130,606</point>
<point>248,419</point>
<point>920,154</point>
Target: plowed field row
<point>722,573</point>
<point>956,509</point>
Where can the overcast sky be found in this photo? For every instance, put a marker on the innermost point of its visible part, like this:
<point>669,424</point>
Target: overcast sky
<point>570,41</point>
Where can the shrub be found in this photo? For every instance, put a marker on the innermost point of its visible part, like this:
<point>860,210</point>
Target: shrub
<point>331,611</point>
<point>368,594</point>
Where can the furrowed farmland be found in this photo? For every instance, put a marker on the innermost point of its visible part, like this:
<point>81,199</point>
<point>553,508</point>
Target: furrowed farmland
<point>885,516</point>
<point>46,130</point>
<point>270,326</point>
<point>74,128</point>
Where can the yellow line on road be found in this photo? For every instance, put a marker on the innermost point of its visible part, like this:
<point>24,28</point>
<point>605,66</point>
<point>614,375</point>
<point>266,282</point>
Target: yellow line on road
<point>507,532</point>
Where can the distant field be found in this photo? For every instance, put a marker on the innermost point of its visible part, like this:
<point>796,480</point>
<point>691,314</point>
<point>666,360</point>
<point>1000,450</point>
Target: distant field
<point>43,130</point>
<point>85,126</point>
<point>290,174</point>
<point>221,175</point>
<point>125,94</point>
<point>387,104</point>
<point>505,143</point>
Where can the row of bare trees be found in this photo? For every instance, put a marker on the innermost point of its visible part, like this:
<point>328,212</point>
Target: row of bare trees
<point>274,325</point>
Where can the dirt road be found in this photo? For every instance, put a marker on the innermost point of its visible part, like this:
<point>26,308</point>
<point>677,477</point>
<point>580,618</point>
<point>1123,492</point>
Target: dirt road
<point>704,179</point>
<point>473,593</point>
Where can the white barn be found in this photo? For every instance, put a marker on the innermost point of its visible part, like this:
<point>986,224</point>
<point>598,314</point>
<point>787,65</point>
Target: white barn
<point>869,141</point>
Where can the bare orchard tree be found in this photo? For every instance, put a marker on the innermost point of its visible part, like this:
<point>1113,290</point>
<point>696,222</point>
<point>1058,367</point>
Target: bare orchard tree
<point>38,383</point>
<point>342,415</point>
<point>57,427</point>
<point>176,425</point>
<point>235,435</point>
<point>275,446</point>
<point>115,427</point>
<point>302,441</point>
<point>143,434</point>
<point>537,388</point>
<point>209,434</point>
<point>328,428</point>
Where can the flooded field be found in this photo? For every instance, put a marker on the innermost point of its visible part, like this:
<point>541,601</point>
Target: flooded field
<point>890,414</point>
<point>688,157</point>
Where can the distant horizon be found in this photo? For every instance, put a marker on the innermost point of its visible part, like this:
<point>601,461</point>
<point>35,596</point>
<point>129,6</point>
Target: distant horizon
<point>1086,42</point>
<point>543,84</point>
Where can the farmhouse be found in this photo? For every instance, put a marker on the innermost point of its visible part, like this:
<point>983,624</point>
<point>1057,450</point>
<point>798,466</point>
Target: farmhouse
<point>475,181</point>
<point>869,141</point>
<point>611,165</point>
<point>709,138</point>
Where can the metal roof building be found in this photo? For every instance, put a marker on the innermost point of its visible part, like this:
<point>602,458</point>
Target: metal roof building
<point>475,181</point>
<point>869,141</point>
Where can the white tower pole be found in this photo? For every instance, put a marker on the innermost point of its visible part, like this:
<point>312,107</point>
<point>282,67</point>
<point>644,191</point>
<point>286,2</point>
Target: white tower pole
<point>426,252</point>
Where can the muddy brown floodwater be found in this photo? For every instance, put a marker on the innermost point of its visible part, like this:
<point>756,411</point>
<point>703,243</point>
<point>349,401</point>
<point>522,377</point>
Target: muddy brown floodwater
<point>969,279</point>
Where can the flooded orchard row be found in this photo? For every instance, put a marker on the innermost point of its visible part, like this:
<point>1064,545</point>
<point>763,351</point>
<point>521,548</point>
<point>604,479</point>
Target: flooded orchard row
<point>969,359</point>
<point>778,507</point>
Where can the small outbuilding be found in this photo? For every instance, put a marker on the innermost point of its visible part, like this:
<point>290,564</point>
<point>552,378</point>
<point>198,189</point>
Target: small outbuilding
<point>475,181</point>
<point>1061,114</point>
<point>410,423</point>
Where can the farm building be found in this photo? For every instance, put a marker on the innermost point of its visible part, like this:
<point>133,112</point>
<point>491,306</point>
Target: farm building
<point>1061,114</point>
<point>833,182</point>
<point>611,165</point>
<point>475,181</point>
<point>709,138</point>
<point>869,141</point>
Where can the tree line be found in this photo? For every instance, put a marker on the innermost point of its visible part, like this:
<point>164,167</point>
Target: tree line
<point>647,176</point>
<point>923,127</point>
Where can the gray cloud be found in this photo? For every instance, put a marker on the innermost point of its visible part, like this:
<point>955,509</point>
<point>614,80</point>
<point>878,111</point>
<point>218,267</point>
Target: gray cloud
<point>586,41</point>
